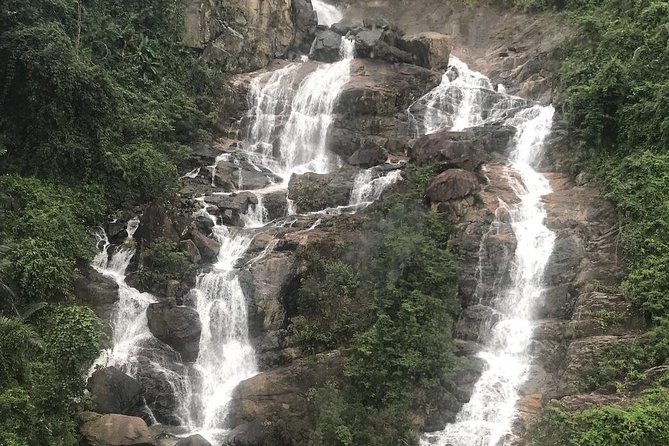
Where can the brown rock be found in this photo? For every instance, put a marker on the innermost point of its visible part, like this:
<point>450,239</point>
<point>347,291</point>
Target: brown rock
<point>188,246</point>
<point>208,247</point>
<point>429,49</point>
<point>452,184</point>
<point>115,430</point>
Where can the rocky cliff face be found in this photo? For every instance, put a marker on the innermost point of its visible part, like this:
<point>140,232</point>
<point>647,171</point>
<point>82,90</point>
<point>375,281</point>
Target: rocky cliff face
<point>371,125</point>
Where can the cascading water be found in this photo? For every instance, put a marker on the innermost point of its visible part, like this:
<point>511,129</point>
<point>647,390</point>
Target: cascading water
<point>465,98</point>
<point>288,135</point>
<point>226,356</point>
<point>486,420</point>
<point>369,184</point>
<point>303,141</point>
<point>327,14</point>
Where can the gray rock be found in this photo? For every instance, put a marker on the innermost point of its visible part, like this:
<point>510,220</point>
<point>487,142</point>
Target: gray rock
<point>191,250</point>
<point>177,326</point>
<point>314,192</point>
<point>208,247</point>
<point>305,21</point>
<point>193,440</point>
<point>452,184</point>
<point>325,47</point>
<point>113,391</point>
<point>367,156</point>
<point>114,430</point>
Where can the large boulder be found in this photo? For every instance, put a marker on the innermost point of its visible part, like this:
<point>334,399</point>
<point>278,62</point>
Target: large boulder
<point>247,434</point>
<point>465,149</point>
<point>163,377</point>
<point>114,430</point>
<point>377,43</point>
<point>207,246</point>
<point>305,21</point>
<point>113,391</point>
<point>429,49</point>
<point>283,389</point>
<point>97,291</point>
<point>452,184</point>
<point>177,326</point>
<point>314,192</point>
<point>369,155</point>
<point>325,47</point>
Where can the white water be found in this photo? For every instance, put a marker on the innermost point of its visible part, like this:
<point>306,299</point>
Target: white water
<point>465,98</point>
<point>487,419</point>
<point>288,135</point>
<point>327,14</point>
<point>303,141</point>
<point>369,184</point>
<point>226,356</point>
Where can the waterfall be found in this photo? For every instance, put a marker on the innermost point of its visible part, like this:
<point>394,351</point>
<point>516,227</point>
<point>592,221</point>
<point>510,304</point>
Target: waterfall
<point>369,184</point>
<point>327,14</point>
<point>465,98</point>
<point>290,125</point>
<point>303,141</point>
<point>226,356</point>
<point>486,420</point>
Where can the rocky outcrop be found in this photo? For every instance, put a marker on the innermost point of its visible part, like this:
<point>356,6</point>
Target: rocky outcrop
<point>114,430</point>
<point>314,192</point>
<point>466,149</point>
<point>305,22</point>
<point>242,35</point>
<point>177,326</point>
<point>98,292</point>
<point>208,247</point>
<point>284,388</point>
<point>112,391</point>
<point>267,284</point>
<point>325,47</point>
<point>370,109</point>
<point>452,184</point>
<point>520,51</point>
<point>428,49</point>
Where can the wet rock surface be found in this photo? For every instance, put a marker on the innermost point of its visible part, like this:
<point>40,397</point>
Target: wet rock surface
<point>177,326</point>
<point>112,391</point>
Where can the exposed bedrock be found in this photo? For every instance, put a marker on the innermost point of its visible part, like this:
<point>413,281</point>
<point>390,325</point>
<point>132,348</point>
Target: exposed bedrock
<point>177,326</point>
<point>520,51</point>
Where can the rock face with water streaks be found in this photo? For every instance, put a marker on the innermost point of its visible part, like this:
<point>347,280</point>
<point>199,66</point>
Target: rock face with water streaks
<point>177,326</point>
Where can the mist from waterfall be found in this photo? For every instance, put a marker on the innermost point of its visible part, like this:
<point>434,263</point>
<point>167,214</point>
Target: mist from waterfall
<point>487,419</point>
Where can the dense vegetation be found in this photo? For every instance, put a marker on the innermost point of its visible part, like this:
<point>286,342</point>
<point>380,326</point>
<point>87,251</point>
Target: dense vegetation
<point>616,87</point>
<point>392,315</point>
<point>96,109</point>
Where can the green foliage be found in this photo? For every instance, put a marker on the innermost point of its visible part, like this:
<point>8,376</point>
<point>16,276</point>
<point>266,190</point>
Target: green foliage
<point>45,226</point>
<point>41,378</point>
<point>162,261</point>
<point>336,419</point>
<point>389,303</point>
<point>643,423</point>
<point>330,303</point>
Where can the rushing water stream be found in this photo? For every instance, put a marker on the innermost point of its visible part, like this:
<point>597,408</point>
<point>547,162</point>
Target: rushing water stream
<point>290,122</point>
<point>486,420</point>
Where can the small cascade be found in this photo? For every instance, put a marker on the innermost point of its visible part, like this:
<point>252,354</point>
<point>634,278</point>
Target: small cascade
<point>303,141</point>
<point>256,216</point>
<point>271,97</point>
<point>226,356</point>
<point>327,14</point>
<point>129,317</point>
<point>487,419</point>
<point>464,99</point>
<point>369,184</point>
